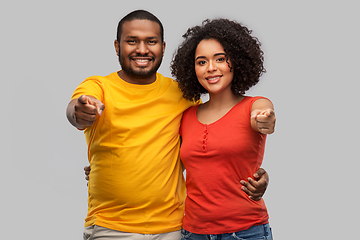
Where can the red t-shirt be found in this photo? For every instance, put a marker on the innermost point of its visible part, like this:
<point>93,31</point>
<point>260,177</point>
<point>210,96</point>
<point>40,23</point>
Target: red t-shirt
<point>216,157</point>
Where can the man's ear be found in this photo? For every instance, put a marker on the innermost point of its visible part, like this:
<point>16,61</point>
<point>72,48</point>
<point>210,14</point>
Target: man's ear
<point>117,46</point>
<point>163,48</point>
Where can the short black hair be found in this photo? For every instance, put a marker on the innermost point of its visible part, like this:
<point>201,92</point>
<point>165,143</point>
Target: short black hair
<point>241,49</point>
<point>136,15</point>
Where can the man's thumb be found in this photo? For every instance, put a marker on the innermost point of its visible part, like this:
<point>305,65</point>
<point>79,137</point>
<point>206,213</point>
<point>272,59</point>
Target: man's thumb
<point>100,107</point>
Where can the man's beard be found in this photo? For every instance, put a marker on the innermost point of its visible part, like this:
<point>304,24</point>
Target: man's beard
<point>138,73</point>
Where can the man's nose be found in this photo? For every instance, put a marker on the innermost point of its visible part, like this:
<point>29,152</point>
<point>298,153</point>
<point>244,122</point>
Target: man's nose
<point>142,48</point>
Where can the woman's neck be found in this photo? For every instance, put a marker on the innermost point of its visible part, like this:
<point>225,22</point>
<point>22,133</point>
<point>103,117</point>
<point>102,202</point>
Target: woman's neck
<point>216,107</point>
<point>223,101</point>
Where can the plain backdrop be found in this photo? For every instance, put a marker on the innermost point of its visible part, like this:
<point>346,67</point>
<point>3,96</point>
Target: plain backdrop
<point>312,61</point>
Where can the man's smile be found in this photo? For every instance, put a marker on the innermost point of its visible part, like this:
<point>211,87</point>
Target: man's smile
<point>142,61</point>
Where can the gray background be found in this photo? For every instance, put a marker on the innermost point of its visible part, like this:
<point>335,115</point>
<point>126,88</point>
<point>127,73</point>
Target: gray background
<point>312,57</point>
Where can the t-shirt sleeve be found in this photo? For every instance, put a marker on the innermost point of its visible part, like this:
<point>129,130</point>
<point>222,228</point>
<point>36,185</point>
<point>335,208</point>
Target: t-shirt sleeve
<point>91,86</point>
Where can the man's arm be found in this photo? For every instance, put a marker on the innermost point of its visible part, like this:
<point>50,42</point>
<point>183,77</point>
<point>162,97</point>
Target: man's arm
<point>81,112</point>
<point>256,187</point>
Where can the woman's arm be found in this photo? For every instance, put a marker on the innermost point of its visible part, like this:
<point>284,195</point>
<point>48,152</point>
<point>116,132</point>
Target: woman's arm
<point>263,116</point>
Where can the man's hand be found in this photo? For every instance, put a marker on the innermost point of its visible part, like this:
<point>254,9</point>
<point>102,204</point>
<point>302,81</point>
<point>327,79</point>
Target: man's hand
<point>256,188</point>
<point>83,111</point>
<point>87,170</point>
<point>265,120</point>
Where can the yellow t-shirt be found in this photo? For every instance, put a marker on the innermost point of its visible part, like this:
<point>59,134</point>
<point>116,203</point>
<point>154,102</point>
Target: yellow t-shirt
<point>136,182</point>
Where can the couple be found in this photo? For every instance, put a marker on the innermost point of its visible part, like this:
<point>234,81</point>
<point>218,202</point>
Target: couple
<point>131,120</point>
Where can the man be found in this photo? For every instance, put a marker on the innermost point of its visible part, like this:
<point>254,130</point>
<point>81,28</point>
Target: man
<point>136,188</point>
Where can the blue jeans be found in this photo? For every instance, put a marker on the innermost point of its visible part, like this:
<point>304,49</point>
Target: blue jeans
<point>253,233</point>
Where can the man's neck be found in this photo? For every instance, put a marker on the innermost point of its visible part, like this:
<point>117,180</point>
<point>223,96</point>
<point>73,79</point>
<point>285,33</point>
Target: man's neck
<point>139,81</point>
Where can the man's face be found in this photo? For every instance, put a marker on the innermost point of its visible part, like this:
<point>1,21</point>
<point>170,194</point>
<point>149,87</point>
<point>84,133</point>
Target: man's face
<point>140,51</point>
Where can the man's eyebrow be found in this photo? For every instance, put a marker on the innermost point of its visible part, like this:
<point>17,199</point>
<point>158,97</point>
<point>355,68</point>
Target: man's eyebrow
<point>131,37</point>
<point>134,37</point>
<point>216,54</point>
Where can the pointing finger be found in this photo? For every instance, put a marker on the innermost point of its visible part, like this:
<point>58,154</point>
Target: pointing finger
<point>83,99</point>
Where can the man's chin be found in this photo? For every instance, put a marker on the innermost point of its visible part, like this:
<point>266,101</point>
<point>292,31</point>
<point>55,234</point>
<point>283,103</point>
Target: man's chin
<point>142,74</point>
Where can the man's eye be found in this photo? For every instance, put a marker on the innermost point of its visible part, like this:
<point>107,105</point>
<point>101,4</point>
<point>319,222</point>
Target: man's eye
<point>131,41</point>
<point>152,42</point>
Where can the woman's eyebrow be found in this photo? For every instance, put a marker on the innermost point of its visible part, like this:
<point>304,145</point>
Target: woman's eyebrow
<point>216,54</point>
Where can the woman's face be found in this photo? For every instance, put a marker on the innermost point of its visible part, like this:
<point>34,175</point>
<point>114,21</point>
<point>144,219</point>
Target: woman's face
<point>211,68</point>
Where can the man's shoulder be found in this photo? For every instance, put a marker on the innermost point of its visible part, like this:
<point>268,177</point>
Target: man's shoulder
<point>167,81</point>
<point>160,76</point>
<point>102,78</point>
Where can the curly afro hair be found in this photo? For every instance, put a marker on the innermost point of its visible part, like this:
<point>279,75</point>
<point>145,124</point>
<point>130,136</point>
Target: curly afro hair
<point>242,49</point>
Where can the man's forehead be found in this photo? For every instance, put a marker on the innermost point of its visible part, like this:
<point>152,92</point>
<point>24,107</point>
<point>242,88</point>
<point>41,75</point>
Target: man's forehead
<point>140,28</point>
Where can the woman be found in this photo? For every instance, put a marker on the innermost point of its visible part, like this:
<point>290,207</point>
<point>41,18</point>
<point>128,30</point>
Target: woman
<point>224,138</point>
